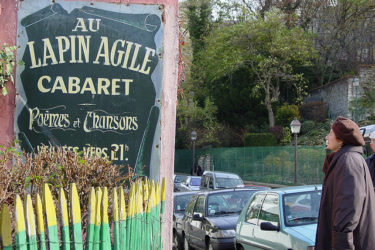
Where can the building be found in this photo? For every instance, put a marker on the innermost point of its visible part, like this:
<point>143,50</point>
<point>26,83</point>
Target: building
<point>342,94</point>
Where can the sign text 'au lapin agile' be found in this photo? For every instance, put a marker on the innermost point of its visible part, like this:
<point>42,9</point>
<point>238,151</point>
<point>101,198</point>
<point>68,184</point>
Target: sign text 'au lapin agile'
<point>91,80</point>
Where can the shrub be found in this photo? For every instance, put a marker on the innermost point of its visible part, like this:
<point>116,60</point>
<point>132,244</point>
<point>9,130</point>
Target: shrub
<point>26,174</point>
<point>259,139</point>
<point>285,114</point>
<point>278,132</point>
<point>307,126</point>
<point>287,138</point>
<point>316,111</point>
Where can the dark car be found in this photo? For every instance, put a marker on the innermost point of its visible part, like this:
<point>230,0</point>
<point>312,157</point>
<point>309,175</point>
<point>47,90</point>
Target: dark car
<point>180,201</point>
<point>210,218</point>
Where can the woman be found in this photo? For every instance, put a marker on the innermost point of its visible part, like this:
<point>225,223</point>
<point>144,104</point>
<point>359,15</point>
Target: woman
<point>346,219</point>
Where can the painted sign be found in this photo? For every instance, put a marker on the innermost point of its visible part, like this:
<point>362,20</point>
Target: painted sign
<point>91,80</point>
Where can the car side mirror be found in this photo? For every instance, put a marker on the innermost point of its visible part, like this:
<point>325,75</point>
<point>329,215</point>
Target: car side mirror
<point>267,226</point>
<point>197,217</point>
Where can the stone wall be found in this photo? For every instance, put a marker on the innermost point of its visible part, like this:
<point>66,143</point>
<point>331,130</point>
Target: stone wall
<point>340,95</point>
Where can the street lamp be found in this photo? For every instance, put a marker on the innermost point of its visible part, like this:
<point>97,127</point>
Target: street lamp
<point>295,126</point>
<point>193,137</point>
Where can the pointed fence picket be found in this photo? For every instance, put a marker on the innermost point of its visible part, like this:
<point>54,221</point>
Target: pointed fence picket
<point>136,225</point>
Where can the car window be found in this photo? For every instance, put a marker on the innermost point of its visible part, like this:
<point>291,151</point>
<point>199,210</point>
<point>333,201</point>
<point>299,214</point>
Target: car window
<point>195,181</point>
<point>301,208</point>
<point>180,202</point>
<point>225,203</point>
<point>253,209</point>
<point>211,182</point>
<point>179,178</point>
<point>199,207</point>
<point>204,181</point>
<point>227,182</point>
<point>190,206</point>
<point>270,211</point>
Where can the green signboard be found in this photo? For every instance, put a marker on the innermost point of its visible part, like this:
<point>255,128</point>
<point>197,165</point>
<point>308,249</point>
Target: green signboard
<point>91,80</point>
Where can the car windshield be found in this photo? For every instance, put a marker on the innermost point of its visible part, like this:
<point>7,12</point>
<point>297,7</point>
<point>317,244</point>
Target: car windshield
<point>180,178</point>
<point>301,208</point>
<point>222,182</point>
<point>195,181</point>
<point>181,201</point>
<point>231,202</point>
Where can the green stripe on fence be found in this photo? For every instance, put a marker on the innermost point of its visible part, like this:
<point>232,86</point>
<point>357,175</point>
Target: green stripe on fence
<point>76,218</point>
<point>40,223</point>
<point>137,226</point>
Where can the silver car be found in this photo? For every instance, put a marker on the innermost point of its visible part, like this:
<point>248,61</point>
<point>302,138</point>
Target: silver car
<point>283,218</point>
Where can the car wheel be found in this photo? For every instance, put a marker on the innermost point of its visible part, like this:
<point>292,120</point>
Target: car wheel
<point>210,246</point>
<point>186,244</point>
<point>239,247</point>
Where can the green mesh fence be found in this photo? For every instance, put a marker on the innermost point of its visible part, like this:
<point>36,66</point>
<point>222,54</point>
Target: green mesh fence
<point>259,164</point>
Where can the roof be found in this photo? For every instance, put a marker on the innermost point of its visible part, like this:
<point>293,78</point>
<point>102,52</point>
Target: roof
<point>216,191</point>
<point>296,189</point>
<point>222,174</point>
<point>183,193</point>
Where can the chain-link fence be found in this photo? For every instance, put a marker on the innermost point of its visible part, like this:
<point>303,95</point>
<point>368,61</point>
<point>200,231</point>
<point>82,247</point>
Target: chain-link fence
<point>259,164</point>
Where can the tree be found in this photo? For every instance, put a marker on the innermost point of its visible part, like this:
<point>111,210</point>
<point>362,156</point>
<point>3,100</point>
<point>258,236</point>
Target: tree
<point>202,119</point>
<point>267,47</point>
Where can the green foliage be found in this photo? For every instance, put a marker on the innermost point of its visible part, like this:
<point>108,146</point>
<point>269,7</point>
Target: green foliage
<point>285,114</point>
<point>259,139</point>
<point>365,102</point>
<point>266,47</point>
<point>287,138</point>
<point>315,136</point>
<point>6,66</point>
<point>307,126</point>
<point>201,119</point>
<point>199,22</point>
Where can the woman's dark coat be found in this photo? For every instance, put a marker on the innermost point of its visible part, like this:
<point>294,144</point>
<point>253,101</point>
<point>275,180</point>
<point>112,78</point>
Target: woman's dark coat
<point>346,215</point>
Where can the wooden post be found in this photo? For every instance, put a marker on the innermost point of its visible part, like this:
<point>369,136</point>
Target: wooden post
<point>76,218</point>
<point>6,228</point>
<point>40,223</point>
<point>91,221</point>
<point>105,237</point>
<point>49,208</point>
<point>20,225</point>
<point>123,218</point>
<point>30,222</point>
<point>64,221</point>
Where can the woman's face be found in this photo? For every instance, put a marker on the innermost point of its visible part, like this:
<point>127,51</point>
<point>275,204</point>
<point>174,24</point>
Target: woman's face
<point>333,143</point>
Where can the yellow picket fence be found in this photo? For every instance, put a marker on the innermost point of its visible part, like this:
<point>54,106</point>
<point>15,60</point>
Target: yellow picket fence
<point>135,225</point>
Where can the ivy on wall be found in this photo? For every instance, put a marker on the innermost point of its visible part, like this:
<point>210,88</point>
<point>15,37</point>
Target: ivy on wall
<point>7,55</point>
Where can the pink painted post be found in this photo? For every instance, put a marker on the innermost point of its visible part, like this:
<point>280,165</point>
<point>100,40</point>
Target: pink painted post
<point>8,31</point>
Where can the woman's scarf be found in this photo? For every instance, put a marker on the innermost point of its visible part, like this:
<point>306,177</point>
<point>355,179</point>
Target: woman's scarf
<point>327,162</point>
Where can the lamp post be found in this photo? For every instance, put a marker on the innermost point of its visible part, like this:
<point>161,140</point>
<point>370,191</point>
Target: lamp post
<point>355,85</point>
<point>295,126</point>
<point>193,137</point>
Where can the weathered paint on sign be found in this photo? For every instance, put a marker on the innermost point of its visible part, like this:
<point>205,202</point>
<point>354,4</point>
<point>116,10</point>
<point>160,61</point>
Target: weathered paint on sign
<point>91,80</point>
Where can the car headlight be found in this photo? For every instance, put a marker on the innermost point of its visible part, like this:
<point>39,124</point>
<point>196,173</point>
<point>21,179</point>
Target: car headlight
<point>310,248</point>
<point>224,233</point>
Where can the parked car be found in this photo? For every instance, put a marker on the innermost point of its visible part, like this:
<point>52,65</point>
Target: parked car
<point>178,179</point>
<point>180,201</point>
<point>283,218</point>
<point>217,180</point>
<point>191,183</point>
<point>366,130</point>
<point>210,218</point>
